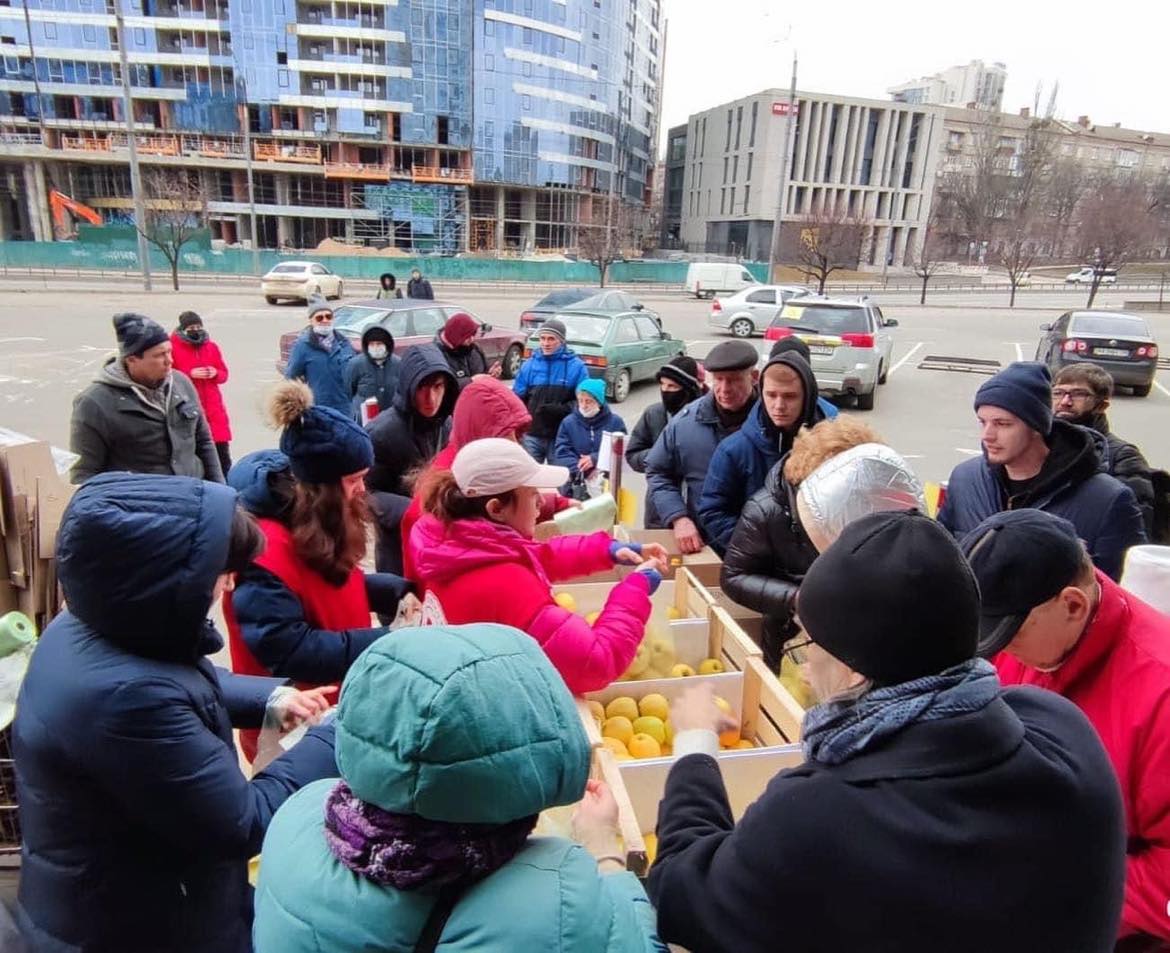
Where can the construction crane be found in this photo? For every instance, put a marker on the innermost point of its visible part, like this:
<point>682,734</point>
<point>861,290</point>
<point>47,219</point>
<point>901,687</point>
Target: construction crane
<point>59,203</point>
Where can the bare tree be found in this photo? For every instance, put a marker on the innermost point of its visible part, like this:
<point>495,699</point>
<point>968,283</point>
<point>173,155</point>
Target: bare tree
<point>828,240</point>
<point>974,194</point>
<point>928,256</point>
<point>1066,188</point>
<point>602,244</point>
<point>1019,248</point>
<point>176,211</point>
<point>1118,225</point>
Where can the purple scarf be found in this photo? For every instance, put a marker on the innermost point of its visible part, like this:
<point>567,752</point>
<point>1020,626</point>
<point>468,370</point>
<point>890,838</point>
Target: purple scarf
<point>407,851</point>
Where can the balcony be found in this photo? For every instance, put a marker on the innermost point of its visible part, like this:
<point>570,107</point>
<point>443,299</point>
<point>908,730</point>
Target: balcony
<point>86,143</point>
<point>159,145</point>
<point>430,173</point>
<point>215,148</point>
<point>370,172</point>
<point>280,152</point>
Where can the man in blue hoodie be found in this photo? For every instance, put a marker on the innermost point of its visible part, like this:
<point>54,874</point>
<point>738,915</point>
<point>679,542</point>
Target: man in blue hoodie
<point>579,437</point>
<point>406,437</point>
<point>547,383</point>
<point>788,402</point>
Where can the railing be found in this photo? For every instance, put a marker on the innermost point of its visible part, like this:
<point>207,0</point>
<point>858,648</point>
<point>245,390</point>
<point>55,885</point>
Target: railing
<point>430,173</point>
<point>21,138</point>
<point>377,172</point>
<point>86,143</point>
<point>279,152</point>
<point>158,145</point>
<point>215,148</point>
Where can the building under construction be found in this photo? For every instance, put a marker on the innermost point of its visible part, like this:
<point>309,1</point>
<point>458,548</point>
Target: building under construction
<point>433,126</point>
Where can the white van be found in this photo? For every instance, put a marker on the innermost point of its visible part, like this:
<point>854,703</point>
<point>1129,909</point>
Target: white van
<point>705,279</point>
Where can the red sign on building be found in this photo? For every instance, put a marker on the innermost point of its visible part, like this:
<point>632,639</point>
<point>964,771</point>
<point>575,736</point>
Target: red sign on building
<point>782,108</point>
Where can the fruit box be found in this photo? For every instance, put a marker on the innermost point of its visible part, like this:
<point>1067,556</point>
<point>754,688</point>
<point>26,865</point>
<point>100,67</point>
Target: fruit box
<point>702,630</point>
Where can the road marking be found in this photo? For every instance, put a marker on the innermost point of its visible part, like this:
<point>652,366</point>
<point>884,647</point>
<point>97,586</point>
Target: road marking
<point>20,340</point>
<point>1162,389</point>
<point>1019,351</point>
<point>703,341</point>
<point>970,453</point>
<point>909,354</point>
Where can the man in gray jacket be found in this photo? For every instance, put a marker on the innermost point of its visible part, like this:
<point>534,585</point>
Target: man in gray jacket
<point>139,414</point>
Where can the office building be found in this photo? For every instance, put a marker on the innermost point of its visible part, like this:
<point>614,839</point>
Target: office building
<point>974,85</point>
<point>674,173</point>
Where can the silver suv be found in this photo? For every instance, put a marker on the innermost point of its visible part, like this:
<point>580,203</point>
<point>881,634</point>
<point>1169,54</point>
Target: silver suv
<point>751,310</point>
<point>849,342</point>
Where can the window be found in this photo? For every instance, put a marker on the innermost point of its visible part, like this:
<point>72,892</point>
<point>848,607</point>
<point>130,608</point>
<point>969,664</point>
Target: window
<point>89,33</point>
<point>526,101</point>
<point>747,191</point>
<point>738,124</point>
<point>281,58</point>
<point>526,68</point>
<point>489,62</point>
<point>489,27</point>
<point>648,328</point>
<point>762,297</point>
<point>722,201</point>
<point>139,36</point>
<point>748,175</point>
<point>527,36</point>
<point>752,134</point>
<point>735,169</point>
<point>727,141</point>
<point>489,95</point>
<point>626,332</point>
<point>725,170</point>
<point>428,320</point>
<point>51,32</point>
<point>319,270</point>
<point>732,207</point>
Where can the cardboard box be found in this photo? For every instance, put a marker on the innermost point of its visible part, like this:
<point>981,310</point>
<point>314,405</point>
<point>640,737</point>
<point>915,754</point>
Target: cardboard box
<point>704,565</point>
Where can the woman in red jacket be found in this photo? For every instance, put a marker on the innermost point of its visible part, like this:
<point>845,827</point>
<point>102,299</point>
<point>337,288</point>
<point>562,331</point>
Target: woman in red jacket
<point>197,356</point>
<point>474,553</point>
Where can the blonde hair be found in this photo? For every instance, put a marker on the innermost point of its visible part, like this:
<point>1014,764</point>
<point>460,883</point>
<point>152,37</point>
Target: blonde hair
<point>814,446</point>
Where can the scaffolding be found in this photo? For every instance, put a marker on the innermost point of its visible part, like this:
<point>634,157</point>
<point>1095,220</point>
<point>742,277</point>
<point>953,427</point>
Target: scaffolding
<point>418,218</point>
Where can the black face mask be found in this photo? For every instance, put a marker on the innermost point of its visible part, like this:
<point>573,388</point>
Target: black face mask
<point>675,400</point>
<point>195,337</point>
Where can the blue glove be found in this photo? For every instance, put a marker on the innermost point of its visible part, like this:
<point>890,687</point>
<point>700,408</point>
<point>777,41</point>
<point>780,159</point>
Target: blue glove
<point>617,545</point>
<point>653,578</point>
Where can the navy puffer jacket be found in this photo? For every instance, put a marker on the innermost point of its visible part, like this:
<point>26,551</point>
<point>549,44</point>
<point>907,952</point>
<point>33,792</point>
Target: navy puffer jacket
<point>580,435</point>
<point>137,821</point>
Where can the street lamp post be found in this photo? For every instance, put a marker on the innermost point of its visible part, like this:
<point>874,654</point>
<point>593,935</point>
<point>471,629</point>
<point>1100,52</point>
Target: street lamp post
<point>778,221</point>
<point>135,175</point>
<point>242,94</point>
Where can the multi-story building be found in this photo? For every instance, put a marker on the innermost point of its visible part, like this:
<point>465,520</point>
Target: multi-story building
<point>974,85</point>
<point>674,172</point>
<point>431,125</point>
<point>870,161</point>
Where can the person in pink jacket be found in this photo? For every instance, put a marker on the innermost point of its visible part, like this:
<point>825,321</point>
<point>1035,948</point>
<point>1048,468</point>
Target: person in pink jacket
<point>475,556</point>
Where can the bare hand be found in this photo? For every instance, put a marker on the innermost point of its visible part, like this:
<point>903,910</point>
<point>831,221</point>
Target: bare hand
<point>656,552</point>
<point>211,373</point>
<point>200,373</point>
<point>696,708</point>
<point>304,706</point>
<point>595,820</point>
<point>496,370</point>
<point>687,535</point>
<point>585,463</point>
<point>627,557</point>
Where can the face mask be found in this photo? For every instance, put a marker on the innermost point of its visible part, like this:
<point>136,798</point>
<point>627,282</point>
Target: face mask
<point>590,414</point>
<point>674,401</point>
<point>377,352</point>
<point>323,328</point>
<point>195,337</point>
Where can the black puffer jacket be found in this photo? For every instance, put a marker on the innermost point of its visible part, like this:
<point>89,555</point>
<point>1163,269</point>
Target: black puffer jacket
<point>1124,461</point>
<point>465,362</point>
<point>646,431</point>
<point>368,378</point>
<point>766,560</point>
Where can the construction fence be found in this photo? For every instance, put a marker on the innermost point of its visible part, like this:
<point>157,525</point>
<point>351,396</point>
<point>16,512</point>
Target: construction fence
<point>122,257</point>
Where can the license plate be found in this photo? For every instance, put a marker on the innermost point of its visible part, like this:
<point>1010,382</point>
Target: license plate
<point>1111,352</point>
<point>824,350</point>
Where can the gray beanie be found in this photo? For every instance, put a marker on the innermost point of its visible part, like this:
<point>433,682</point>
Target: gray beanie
<point>316,304</point>
<point>137,334</point>
<point>553,326</point>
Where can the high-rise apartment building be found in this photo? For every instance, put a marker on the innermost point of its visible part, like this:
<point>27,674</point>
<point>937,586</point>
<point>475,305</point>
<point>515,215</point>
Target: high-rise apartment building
<point>430,125</point>
<point>973,85</point>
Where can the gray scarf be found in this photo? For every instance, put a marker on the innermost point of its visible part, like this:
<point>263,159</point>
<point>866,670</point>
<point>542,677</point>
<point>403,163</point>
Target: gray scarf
<point>838,730</point>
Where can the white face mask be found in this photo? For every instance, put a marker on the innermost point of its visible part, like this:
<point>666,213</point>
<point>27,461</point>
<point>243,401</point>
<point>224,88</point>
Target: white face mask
<point>323,328</point>
<point>377,352</point>
<point>591,413</point>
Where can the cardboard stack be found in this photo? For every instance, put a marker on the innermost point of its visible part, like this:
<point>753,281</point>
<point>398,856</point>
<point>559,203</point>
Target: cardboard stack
<point>33,493</point>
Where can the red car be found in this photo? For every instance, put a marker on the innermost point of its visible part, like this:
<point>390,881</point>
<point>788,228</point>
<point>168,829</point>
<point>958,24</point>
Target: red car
<point>411,323</point>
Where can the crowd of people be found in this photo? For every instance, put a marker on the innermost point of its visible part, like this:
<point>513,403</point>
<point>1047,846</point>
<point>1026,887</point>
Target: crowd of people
<point>985,760</point>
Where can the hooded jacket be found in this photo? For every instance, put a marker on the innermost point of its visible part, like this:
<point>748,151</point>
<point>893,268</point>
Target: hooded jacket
<point>136,819</point>
<point>767,557</point>
<point>366,378</point>
<point>579,435</point>
<point>548,386</point>
<point>465,362</point>
<point>438,757</point>
<point>741,463</point>
<point>1119,676</point>
<point>187,356</point>
<point>114,427</point>
<point>419,288</point>
<point>1125,462</point>
<point>481,571</point>
<point>323,368</point>
<point>1072,483</point>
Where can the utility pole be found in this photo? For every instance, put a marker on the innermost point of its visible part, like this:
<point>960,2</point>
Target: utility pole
<point>32,55</point>
<point>242,94</point>
<point>135,175</point>
<point>778,222</point>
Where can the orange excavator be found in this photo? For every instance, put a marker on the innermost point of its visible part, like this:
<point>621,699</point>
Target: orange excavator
<point>60,203</point>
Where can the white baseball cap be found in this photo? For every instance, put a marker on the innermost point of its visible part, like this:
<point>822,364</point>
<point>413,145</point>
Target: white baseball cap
<point>493,465</point>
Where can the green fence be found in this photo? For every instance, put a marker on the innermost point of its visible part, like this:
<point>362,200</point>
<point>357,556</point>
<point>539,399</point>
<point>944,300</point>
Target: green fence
<point>108,252</point>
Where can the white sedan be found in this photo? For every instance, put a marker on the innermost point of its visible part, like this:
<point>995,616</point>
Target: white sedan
<point>298,281</point>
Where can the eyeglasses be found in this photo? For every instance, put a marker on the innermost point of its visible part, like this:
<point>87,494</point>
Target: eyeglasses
<point>794,649</point>
<point>1072,393</point>
<point>322,317</point>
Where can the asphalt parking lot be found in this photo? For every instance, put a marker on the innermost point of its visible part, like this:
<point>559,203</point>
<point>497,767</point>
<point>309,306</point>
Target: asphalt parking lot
<point>54,339</point>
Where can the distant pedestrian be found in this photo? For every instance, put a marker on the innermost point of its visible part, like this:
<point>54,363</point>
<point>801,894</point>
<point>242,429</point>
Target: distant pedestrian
<point>456,339</point>
<point>677,465</point>
<point>388,287</point>
<point>418,287</point>
<point>578,442</point>
<point>740,465</point>
<point>1032,461</point>
<point>1051,619</point>
<point>140,414</point>
<point>679,383</point>
<point>199,357</point>
<point>547,383</point>
<point>793,343</point>
<point>1081,394</point>
<point>320,357</point>
<point>374,372</point>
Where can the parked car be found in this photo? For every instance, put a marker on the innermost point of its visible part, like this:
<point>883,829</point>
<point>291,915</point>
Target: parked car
<point>1120,343</point>
<point>705,279</point>
<point>849,342</point>
<point>1085,276</point>
<point>589,299</point>
<point>298,280</point>
<point>621,348</point>
<point>414,322</point>
<point>751,311</point>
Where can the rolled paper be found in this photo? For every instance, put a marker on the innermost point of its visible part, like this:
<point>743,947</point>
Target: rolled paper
<point>16,632</point>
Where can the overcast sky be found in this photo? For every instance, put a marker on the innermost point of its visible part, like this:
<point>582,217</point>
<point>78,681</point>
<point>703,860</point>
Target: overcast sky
<point>1110,58</point>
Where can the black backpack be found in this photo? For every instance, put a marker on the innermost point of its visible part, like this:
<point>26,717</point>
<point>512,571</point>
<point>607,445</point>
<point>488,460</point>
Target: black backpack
<point>1160,531</point>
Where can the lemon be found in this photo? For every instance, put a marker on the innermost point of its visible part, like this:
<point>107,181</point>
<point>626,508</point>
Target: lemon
<point>662,655</point>
<point>619,728</point>
<point>682,670</point>
<point>722,704</point>
<point>592,617</point>
<point>656,705</point>
<point>641,661</point>
<point>651,842</point>
<point>566,600</point>
<point>649,725</point>
<point>674,612</point>
<point>597,710</point>
<point>643,746</point>
<point>669,729</point>
<point>623,705</point>
<point>616,746</point>
<point>744,743</point>
<point>710,666</point>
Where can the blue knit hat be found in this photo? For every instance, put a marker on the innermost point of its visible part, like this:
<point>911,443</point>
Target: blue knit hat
<point>322,444</point>
<point>594,387</point>
<point>1024,389</point>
